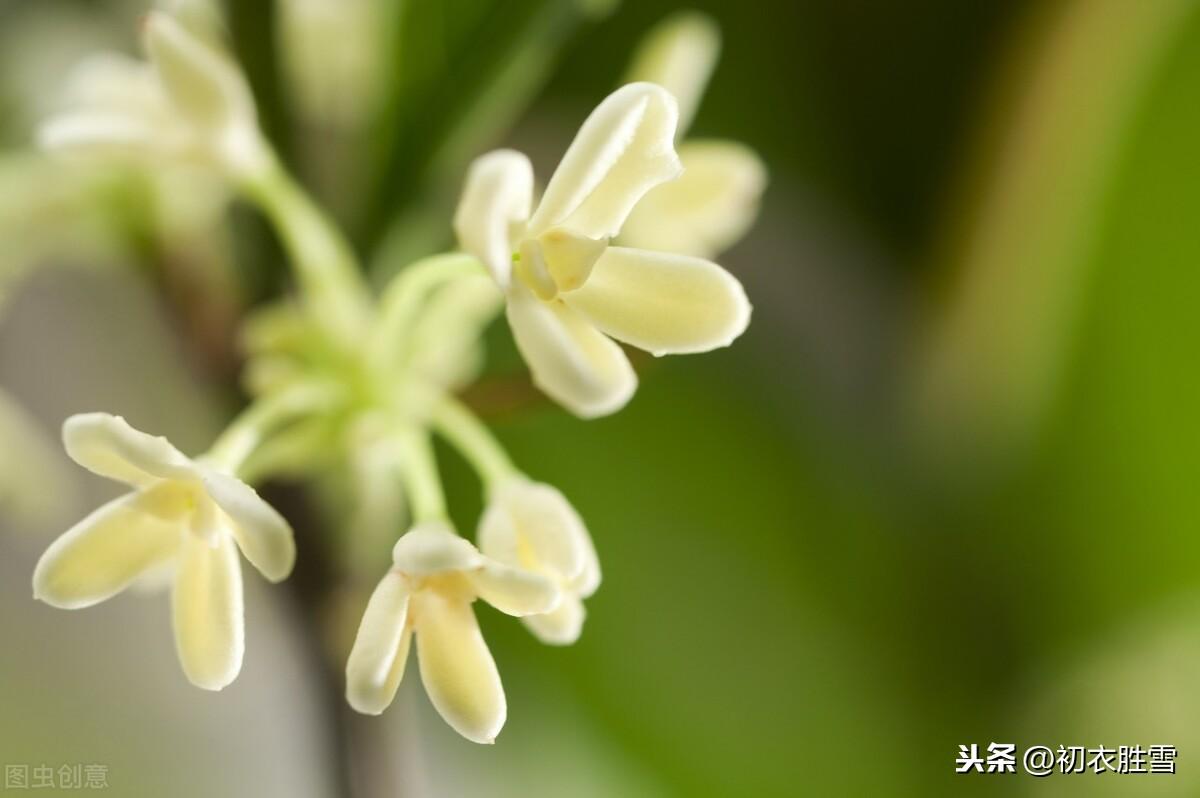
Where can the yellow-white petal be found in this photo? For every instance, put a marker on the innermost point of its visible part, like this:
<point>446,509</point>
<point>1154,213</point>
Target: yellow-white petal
<point>624,149</point>
<point>561,627</point>
<point>204,19</point>
<point>662,302</point>
<point>457,668</point>
<point>200,82</point>
<point>207,612</point>
<point>679,54</point>
<point>97,133</point>
<point>567,257</point>
<point>157,579</point>
<point>376,662</point>
<point>117,107</point>
<point>708,208</point>
<point>495,204</point>
<point>205,87</point>
<point>104,553</point>
<point>115,82</point>
<point>207,521</point>
<point>108,446</point>
<point>570,360</point>
<point>262,534</point>
<point>514,591</point>
<point>533,525</point>
<point>431,548</point>
<point>588,580</point>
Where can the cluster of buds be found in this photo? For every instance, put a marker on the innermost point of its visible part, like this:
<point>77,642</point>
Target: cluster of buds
<point>603,256</point>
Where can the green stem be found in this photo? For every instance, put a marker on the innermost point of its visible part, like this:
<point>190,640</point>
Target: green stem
<point>421,479</point>
<point>405,298</point>
<point>244,435</point>
<point>474,441</point>
<point>326,267</point>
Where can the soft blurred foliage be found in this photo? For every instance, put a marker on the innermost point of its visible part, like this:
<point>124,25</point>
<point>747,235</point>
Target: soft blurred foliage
<point>827,563</point>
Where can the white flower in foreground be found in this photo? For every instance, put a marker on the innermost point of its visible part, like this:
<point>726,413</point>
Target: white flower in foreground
<point>428,594</point>
<point>716,200</point>
<point>569,293</point>
<point>190,103</point>
<point>532,526</point>
<point>181,514</point>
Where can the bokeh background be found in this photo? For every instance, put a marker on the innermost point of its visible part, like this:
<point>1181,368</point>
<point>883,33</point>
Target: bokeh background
<point>943,492</point>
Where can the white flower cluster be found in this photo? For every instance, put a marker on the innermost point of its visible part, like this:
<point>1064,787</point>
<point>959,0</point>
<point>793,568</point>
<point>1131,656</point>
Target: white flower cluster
<point>615,249</point>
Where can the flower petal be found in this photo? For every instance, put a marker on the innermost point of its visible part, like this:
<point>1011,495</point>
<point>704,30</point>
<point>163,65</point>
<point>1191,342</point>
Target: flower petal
<point>97,133</point>
<point>104,553</point>
<point>624,149</point>
<point>431,548</point>
<point>588,581</point>
<point>566,257</point>
<point>532,525</point>
<point>514,591</point>
<point>570,360</point>
<point>708,208</point>
<point>200,81</point>
<point>457,668</point>
<point>204,87</point>
<point>207,611</point>
<point>106,445</point>
<point>679,54</point>
<point>157,579</point>
<point>496,200</point>
<point>376,662</point>
<point>115,82</point>
<point>662,302</point>
<point>262,534</point>
<point>561,627</point>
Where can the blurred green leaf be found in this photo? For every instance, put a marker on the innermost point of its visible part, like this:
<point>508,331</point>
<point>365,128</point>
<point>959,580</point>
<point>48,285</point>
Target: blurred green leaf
<point>1021,240</point>
<point>1121,463</point>
<point>1095,531</point>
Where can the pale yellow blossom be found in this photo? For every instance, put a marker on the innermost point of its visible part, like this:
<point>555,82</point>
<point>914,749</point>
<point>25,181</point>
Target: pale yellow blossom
<point>569,293</point>
<point>532,526</point>
<point>182,515</point>
<point>427,596</point>
<point>189,103</point>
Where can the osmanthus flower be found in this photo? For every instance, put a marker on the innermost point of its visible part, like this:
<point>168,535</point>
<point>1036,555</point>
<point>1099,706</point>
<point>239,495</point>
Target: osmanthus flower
<point>569,293</point>
<point>191,105</point>
<point>182,515</point>
<point>530,525</point>
<point>188,104</point>
<point>427,595</point>
<point>716,199</point>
